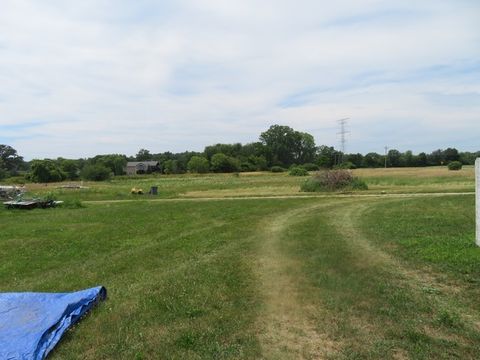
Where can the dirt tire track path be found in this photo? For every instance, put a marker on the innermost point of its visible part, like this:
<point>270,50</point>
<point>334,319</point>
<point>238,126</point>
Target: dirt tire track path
<point>286,328</point>
<point>346,220</point>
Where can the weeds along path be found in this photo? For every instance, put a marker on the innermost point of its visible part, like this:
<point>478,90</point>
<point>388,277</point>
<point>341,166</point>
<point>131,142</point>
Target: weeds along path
<point>341,307</point>
<point>413,279</point>
<point>286,330</point>
<point>346,220</point>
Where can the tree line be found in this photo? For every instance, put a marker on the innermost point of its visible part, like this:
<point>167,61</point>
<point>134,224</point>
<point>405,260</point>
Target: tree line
<point>279,147</point>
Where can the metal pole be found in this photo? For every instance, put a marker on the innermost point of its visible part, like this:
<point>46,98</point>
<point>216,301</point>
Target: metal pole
<point>477,200</point>
<point>386,154</point>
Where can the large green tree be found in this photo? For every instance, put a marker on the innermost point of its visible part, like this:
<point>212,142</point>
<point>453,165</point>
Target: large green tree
<point>451,154</point>
<point>46,171</point>
<point>115,162</point>
<point>373,160</point>
<point>287,146</point>
<point>326,156</point>
<point>143,155</point>
<point>171,167</point>
<point>95,172</point>
<point>233,150</point>
<point>3,171</point>
<point>223,163</point>
<point>10,161</point>
<point>70,168</point>
<point>198,164</point>
<point>394,158</point>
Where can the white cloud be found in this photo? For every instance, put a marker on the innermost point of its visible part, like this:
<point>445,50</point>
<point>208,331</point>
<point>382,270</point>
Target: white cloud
<point>114,76</point>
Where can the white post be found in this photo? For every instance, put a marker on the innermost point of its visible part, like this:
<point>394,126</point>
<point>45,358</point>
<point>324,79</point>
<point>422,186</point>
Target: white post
<point>477,197</point>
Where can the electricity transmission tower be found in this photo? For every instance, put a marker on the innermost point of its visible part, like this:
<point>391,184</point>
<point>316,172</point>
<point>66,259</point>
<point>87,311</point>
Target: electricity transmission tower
<point>342,133</point>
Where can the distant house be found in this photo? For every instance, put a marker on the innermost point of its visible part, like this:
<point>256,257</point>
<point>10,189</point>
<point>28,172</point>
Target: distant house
<point>141,167</point>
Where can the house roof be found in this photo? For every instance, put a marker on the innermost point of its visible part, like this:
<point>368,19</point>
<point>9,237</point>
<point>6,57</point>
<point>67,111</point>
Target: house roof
<point>148,163</point>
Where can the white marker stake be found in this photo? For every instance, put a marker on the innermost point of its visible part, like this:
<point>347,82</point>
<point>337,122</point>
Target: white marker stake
<point>477,196</point>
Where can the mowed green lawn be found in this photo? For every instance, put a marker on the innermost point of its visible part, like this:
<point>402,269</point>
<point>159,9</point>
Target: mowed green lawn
<point>340,278</point>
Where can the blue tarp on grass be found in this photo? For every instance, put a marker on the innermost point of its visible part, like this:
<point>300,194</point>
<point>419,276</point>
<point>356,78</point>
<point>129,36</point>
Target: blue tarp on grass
<point>31,324</point>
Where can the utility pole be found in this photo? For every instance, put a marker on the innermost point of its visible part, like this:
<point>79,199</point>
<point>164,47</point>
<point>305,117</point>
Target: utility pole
<point>342,133</point>
<point>386,155</point>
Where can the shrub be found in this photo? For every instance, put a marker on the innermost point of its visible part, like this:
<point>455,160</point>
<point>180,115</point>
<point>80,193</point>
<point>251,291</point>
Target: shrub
<point>455,165</point>
<point>333,180</point>
<point>345,165</point>
<point>223,163</point>
<point>20,179</point>
<point>72,204</point>
<point>298,171</point>
<point>310,167</point>
<point>171,167</point>
<point>254,163</point>
<point>70,168</point>
<point>50,196</point>
<point>97,172</point>
<point>46,171</point>
<point>198,164</point>
<point>358,184</point>
<point>277,169</point>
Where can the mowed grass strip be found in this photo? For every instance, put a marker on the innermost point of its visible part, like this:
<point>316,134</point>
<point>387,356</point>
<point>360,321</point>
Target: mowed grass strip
<point>439,231</point>
<point>179,275</point>
<point>374,304</point>
<point>436,236</point>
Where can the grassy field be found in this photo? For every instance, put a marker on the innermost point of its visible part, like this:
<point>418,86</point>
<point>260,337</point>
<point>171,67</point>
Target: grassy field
<point>259,278</point>
<point>401,180</point>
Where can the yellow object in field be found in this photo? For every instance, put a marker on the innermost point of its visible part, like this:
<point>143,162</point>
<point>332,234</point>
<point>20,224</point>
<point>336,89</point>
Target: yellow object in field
<point>137,191</point>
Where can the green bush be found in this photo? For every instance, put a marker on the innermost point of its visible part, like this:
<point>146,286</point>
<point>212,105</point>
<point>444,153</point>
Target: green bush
<point>20,179</point>
<point>455,165</point>
<point>310,185</point>
<point>345,165</point>
<point>49,196</point>
<point>298,171</point>
<point>333,180</point>
<point>97,172</point>
<point>171,167</point>
<point>277,169</point>
<point>358,184</point>
<point>70,168</point>
<point>254,163</point>
<point>198,164</point>
<point>72,204</point>
<point>311,167</point>
<point>224,164</point>
<point>47,170</point>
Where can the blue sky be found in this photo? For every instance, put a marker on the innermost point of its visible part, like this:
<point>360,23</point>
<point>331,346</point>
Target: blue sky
<point>80,78</point>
